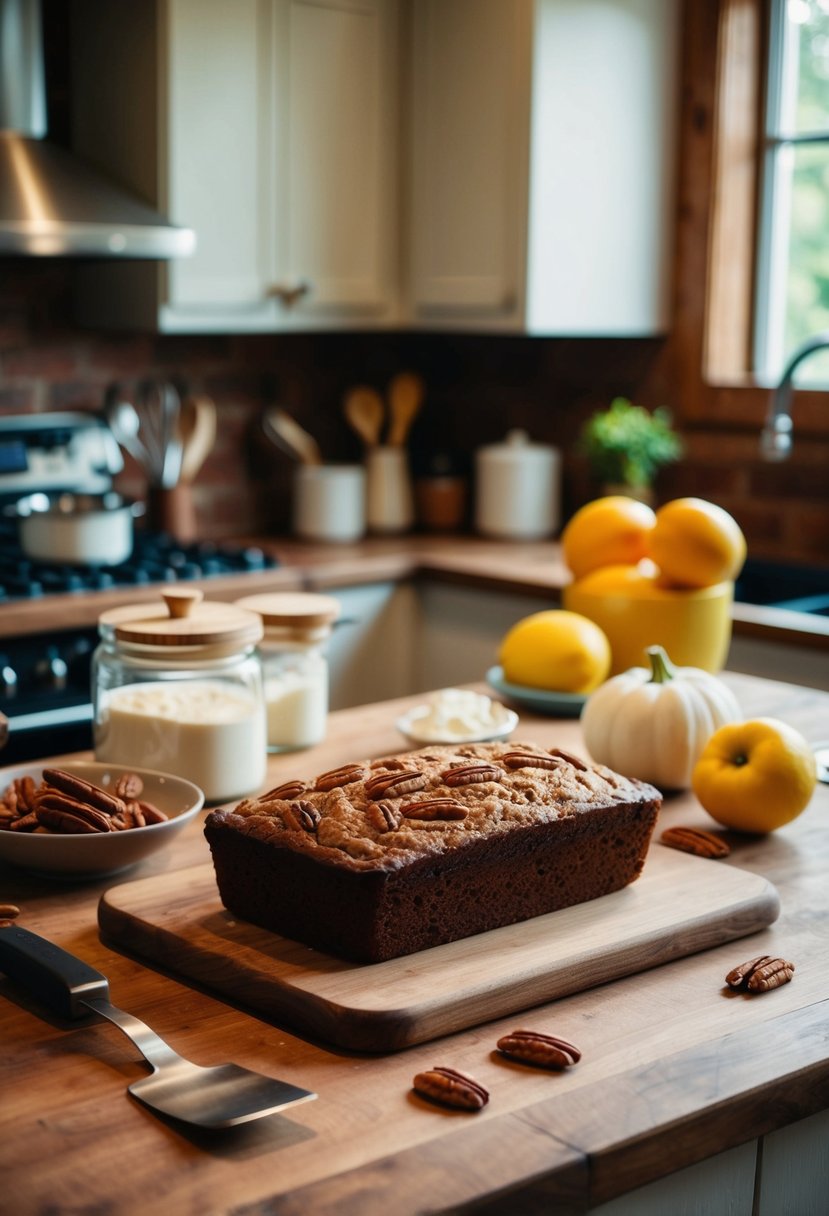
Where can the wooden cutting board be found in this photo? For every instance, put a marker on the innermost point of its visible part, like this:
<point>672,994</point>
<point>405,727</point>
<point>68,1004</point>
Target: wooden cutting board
<point>680,905</point>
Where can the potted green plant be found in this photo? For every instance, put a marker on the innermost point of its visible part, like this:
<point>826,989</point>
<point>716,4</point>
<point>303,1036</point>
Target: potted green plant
<point>626,445</point>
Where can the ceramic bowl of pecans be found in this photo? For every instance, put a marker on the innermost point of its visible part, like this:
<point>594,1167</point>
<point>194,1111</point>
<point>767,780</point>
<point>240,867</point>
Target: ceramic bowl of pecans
<point>83,820</point>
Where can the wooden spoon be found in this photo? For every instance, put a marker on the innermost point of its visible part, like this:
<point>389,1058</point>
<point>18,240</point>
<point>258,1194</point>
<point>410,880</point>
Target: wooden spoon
<point>363,409</point>
<point>287,434</point>
<point>405,400</point>
<point>197,432</point>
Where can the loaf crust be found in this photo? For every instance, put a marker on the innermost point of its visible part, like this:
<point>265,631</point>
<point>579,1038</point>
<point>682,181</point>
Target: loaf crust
<point>395,855</point>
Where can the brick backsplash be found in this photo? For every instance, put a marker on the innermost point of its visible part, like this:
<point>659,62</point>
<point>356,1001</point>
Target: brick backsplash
<point>478,387</point>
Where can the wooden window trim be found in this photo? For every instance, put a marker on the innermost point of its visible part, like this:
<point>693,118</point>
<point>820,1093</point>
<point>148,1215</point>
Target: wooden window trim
<point>735,181</point>
<point>720,162</point>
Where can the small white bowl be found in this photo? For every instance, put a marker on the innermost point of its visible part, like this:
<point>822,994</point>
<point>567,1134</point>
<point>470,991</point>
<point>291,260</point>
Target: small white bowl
<point>99,854</point>
<point>414,728</point>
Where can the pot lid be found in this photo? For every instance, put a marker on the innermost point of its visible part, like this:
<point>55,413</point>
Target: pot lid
<point>301,610</point>
<point>183,620</point>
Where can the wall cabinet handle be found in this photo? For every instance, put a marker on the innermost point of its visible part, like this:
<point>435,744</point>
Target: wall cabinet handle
<point>288,294</point>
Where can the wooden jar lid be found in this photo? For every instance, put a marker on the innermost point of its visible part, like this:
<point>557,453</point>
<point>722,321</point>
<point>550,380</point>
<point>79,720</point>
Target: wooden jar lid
<point>292,609</point>
<point>183,619</point>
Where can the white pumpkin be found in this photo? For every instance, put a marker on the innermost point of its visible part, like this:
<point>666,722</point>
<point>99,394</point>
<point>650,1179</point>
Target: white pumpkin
<point>654,724</point>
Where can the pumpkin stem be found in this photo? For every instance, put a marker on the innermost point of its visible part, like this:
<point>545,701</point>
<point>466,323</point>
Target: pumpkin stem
<point>662,669</point>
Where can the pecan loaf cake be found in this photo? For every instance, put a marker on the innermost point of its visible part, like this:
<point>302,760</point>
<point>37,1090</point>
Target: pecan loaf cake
<point>395,855</point>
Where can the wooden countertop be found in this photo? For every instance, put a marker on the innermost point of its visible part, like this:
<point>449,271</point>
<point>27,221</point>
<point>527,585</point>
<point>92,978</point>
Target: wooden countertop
<point>674,1068</point>
<point>529,568</point>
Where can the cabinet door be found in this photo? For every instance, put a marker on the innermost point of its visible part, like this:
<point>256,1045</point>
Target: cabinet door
<point>604,114</point>
<point>215,139</point>
<point>270,127</point>
<point>542,164</point>
<point>333,159</point>
<point>469,137</point>
<point>282,156</point>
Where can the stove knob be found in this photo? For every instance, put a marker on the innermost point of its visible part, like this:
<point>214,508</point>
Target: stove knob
<point>8,679</point>
<point>52,671</point>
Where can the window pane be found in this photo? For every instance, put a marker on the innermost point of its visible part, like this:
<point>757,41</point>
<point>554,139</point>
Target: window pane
<point>807,289</point>
<point>810,29</point>
<point>792,303</point>
<point>807,281</point>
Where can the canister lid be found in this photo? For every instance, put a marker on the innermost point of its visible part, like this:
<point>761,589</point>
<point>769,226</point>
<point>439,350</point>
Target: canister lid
<point>517,445</point>
<point>183,620</point>
<point>294,609</point>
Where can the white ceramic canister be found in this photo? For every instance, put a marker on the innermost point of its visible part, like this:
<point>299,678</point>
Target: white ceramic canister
<point>177,687</point>
<point>518,489</point>
<point>329,502</point>
<point>294,666</point>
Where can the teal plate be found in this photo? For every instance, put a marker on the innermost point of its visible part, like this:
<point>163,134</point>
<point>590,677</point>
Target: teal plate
<point>554,704</point>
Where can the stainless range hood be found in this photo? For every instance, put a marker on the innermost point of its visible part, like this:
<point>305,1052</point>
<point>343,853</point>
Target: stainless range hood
<point>51,203</point>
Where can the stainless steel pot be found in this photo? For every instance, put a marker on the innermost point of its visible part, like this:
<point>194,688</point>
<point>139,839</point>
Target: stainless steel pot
<point>78,529</point>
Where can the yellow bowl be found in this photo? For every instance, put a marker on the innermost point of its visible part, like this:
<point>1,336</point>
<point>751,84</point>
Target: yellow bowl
<point>635,612</point>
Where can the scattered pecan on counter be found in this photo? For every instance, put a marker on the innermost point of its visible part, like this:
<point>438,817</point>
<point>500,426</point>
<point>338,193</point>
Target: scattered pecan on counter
<point>760,974</point>
<point>695,840</point>
<point>535,1047</point>
<point>451,1088</point>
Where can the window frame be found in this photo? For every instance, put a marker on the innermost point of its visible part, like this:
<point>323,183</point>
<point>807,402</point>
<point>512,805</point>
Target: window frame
<point>721,150</point>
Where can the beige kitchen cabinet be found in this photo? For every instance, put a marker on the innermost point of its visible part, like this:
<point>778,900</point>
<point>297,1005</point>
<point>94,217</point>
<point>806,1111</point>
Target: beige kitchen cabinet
<point>784,1172</point>
<point>267,126</point>
<point>542,164</point>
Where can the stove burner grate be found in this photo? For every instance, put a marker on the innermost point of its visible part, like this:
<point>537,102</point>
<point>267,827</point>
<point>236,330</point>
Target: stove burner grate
<point>156,558</point>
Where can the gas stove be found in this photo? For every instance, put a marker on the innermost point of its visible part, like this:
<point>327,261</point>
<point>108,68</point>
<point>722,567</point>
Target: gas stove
<point>45,678</point>
<point>155,559</point>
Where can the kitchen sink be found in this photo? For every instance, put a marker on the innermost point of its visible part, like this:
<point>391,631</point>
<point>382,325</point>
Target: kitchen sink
<point>817,605</point>
<point>781,585</point>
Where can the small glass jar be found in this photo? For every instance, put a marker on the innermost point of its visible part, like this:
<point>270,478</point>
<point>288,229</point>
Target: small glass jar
<point>177,687</point>
<point>294,666</point>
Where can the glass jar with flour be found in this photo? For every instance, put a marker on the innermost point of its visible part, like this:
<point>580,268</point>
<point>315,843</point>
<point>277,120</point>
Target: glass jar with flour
<point>294,666</point>
<point>177,687</point>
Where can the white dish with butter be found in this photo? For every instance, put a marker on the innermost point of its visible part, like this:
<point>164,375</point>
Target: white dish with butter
<point>458,715</point>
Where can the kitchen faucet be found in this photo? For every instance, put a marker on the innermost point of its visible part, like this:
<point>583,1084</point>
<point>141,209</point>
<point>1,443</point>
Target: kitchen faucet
<point>776,437</point>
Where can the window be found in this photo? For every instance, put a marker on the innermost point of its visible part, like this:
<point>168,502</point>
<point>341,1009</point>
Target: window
<point>792,282</point>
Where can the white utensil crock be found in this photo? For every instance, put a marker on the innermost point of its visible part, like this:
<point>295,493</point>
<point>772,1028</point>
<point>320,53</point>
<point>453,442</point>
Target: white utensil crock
<point>389,498</point>
<point>329,502</point>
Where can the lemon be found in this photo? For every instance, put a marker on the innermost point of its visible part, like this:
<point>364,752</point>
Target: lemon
<point>695,543</point>
<point>556,650</point>
<point>610,531</point>
<point>755,776</point>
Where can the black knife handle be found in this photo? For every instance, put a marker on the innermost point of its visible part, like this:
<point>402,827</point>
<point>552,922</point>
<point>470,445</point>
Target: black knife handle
<point>58,978</point>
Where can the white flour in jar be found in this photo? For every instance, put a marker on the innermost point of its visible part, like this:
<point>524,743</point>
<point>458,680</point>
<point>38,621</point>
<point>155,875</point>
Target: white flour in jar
<point>202,730</point>
<point>297,707</point>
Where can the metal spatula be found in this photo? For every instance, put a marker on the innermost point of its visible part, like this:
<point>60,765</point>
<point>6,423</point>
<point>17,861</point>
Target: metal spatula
<point>204,1097</point>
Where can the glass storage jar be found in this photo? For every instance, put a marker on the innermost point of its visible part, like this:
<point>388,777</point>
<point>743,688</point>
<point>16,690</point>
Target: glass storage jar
<point>294,666</point>
<point>177,687</point>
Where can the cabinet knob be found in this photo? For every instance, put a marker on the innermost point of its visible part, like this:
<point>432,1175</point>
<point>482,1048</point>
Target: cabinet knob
<point>288,293</point>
